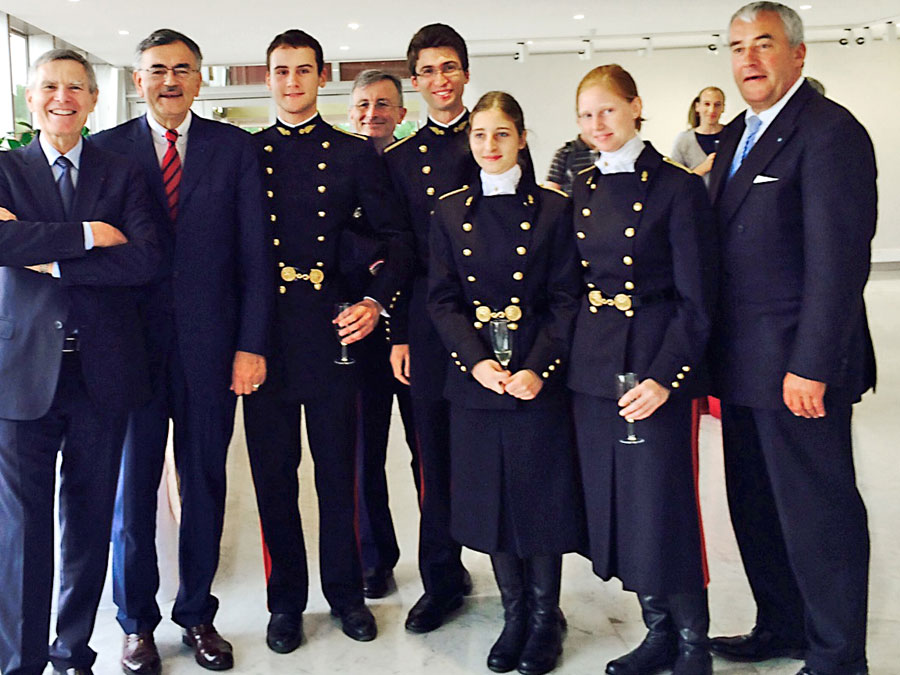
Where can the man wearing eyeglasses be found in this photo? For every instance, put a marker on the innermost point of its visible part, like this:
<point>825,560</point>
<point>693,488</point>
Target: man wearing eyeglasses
<point>205,320</point>
<point>423,166</point>
<point>376,106</point>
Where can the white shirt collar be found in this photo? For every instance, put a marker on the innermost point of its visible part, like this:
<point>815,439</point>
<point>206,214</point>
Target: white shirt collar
<point>160,130</point>
<point>450,123</point>
<point>51,153</point>
<point>623,159</point>
<point>505,183</point>
<point>768,115</point>
<point>298,124</point>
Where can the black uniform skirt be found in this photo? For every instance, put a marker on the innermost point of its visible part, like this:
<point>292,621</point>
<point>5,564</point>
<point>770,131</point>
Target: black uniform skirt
<point>640,500</point>
<point>514,481</point>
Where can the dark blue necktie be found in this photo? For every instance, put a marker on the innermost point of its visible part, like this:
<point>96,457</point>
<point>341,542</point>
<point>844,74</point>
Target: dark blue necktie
<point>65,184</point>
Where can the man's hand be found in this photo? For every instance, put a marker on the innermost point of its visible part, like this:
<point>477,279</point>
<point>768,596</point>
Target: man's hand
<point>43,268</point>
<point>642,401</point>
<point>524,385</point>
<point>357,321</point>
<point>248,373</point>
<point>705,166</point>
<point>400,362</point>
<point>491,375</point>
<point>804,398</point>
<point>106,235</point>
<point>6,214</point>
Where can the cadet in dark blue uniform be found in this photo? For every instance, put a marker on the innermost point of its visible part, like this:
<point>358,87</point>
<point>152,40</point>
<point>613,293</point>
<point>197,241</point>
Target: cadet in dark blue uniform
<point>643,229</point>
<point>424,166</point>
<point>502,251</point>
<point>315,177</point>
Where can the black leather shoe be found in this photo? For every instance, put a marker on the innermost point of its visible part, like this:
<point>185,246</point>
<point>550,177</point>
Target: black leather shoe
<point>284,632</point>
<point>658,651</point>
<point>211,650</point>
<point>378,583</point>
<point>357,623</point>
<point>757,645</point>
<point>139,655</point>
<point>430,611</point>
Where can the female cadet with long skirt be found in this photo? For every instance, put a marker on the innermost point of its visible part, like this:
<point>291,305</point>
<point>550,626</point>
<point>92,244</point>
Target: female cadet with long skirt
<point>643,227</point>
<point>502,250</point>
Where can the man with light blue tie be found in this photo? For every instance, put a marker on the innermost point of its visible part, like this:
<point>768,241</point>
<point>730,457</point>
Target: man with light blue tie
<point>791,352</point>
<point>76,235</point>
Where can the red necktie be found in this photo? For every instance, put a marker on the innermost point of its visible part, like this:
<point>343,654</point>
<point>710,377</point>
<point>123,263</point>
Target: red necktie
<point>171,171</point>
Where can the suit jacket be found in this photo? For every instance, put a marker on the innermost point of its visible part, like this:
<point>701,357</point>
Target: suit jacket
<point>94,294</point>
<point>648,235</point>
<point>212,290</point>
<point>510,252</point>
<point>796,223</point>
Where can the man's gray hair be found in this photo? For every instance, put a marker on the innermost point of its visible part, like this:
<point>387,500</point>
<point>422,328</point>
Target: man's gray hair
<point>372,76</point>
<point>793,24</point>
<point>62,55</point>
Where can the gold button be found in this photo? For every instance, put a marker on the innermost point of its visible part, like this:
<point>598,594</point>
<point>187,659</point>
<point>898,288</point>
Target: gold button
<point>273,218</point>
<point>525,225</point>
<point>637,206</point>
<point>277,242</point>
<point>268,148</point>
<point>476,302</point>
<point>478,325</point>
<point>629,231</point>
<point>467,252</point>
<point>686,369</point>
<point>470,279</point>
<point>457,362</point>
<point>321,237</point>
<point>282,290</point>
<point>270,170</point>
<point>320,264</point>
<point>580,235</point>
<point>629,313</point>
<point>545,374</point>
<point>321,214</point>
<point>322,166</point>
<point>585,212</point>
<point>426,170</point>
<point>590,285</point>
<point>592,309</point>
<point>467,227</point>
<point>675,385</point>
<point>321,188</point>
<point>269,194</point>
<point>680,376</point>
<point>629,285</point>
<point>326,144</point>
<point>593,186</point>
<point>429,191</point>
<point>514,300</point>
<point>463,368</point>
<point>627,260</point>
<point>521,250</point>
<point>551,367</point>
<point>558,361</point>
<point>518,276</point>
<point>423,149</point>
<point>454,355</point>
<point>281,264</point>
<point>585,263</point>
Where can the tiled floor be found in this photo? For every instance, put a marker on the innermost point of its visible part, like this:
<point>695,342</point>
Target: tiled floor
<point>603,621</point>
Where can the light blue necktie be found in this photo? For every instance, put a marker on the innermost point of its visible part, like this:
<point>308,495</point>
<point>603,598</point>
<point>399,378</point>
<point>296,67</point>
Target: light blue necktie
<point>65,183</point>
<point>753,125</point>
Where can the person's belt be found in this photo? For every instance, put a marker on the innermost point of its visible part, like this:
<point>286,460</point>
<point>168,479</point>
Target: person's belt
<point>70,344</point>
<point>314,276</point>
<point>625,302</point>
<point>511,313</point>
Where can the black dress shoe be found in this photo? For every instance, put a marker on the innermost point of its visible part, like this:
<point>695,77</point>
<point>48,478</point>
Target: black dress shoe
<point>357,623</point>
<point>757,645</point>
<point>284,632</point>
<point>211,650</point>
<point>430,611</point>
<point>378,583</point>
<point>139,655</point>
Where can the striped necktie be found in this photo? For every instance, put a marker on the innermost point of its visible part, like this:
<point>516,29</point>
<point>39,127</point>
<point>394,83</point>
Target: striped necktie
<point>171,171</point>
<point>753,125</point>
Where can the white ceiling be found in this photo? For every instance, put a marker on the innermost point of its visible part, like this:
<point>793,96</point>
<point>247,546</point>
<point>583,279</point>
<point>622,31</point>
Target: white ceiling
<point>238,31</point>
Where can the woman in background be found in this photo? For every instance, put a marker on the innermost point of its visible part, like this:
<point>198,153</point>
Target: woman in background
<point>696,147</point>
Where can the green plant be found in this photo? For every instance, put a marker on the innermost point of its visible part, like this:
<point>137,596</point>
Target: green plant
<point>14,140</point>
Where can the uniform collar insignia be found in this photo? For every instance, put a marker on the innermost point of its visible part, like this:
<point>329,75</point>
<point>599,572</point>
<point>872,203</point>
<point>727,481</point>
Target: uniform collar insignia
<point>436,130</point>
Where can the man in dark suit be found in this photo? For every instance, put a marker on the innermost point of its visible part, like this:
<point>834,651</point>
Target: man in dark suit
<point>75,233</point>
<point>794,188</point>
<point>205,321</point>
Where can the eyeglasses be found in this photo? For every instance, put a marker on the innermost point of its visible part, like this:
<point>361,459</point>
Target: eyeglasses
<point>178,72</point>
<point>380,105</point>
<point>448,69</point>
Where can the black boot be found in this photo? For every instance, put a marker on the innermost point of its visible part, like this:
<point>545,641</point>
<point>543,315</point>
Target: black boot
<point>690,615</point>
<point>544,643</point>
<point>658,651</point>
<point>509,571</point>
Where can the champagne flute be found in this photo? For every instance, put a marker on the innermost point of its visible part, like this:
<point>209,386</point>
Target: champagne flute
<point>501,341</point>
<point>344,359</point>
<point>625,382</point>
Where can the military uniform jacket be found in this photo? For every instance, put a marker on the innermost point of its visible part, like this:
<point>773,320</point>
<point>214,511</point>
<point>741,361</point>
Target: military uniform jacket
<point>511,255</point>
<point>424,166</point>
<point>646,237</point>
<point>316,178</point>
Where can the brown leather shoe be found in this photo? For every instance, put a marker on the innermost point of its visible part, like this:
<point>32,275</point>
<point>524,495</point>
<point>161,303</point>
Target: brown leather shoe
<point>211,650</point>
<point>139,655</point>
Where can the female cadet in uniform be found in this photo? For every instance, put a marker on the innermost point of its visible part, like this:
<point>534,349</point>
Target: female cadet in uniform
<point>642,226</point>
<point>503,248</point>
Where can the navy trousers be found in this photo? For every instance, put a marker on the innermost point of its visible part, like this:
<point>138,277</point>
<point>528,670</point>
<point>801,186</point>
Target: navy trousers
<point>203,427</point>
<point>90,440</point>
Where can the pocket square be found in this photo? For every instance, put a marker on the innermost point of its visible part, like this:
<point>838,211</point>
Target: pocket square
<point>764,179</point>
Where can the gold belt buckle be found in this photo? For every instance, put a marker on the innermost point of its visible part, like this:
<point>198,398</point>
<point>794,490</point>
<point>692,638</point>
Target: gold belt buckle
<point>512,313</point>
<point>621,301</point>
<point>315,276</point>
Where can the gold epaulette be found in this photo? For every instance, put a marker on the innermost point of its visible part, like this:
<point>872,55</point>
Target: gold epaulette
<point>586,169</point>
<point>669,160</point>
<point>553,189</point>
<point>349,133</point>
<point>453,192</point>
<point>400,142</point>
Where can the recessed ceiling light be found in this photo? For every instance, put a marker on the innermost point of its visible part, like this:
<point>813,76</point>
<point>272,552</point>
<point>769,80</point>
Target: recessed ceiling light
<point>123,32</point>
<point>530,42</point>
<point>805,6</point>
<point>353,26</point>
<point>578,17</point>
<point>344,48</point>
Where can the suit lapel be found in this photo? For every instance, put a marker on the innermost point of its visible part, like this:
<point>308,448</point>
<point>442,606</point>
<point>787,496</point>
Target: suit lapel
<point>731,136</point>
<point>40,179</point>
<point>91,183</point>
<point>145,153</point>
<point>197,157</point>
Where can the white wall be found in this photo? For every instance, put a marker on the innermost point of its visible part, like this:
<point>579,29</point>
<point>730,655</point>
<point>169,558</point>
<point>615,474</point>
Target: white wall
<point>864,79</point>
